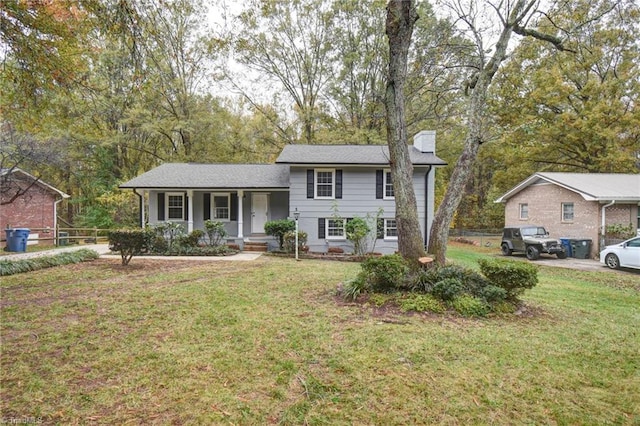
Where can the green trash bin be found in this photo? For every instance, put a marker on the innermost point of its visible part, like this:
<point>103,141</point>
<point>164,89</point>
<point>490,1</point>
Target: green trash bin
<point>581,248</point>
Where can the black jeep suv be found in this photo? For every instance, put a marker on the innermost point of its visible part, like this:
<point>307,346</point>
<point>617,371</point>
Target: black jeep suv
<point>532,240</point>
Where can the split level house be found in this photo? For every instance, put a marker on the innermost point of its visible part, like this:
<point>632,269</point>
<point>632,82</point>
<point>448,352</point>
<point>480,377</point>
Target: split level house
<point>576,205</point>
<point>323,183</point>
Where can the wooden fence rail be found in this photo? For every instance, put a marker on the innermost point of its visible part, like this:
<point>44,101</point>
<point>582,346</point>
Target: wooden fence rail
<point>64,236</point>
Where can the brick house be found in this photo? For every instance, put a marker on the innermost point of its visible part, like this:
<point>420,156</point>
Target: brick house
<point>35,204</point>
<point>575,205</point>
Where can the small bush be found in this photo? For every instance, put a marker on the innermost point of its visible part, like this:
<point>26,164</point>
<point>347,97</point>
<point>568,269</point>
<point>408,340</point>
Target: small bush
<point>448,289</point>
<point>472,281</point>
<point>355,287</point>
<point>493,294</point>
<point>469,306</point>
<point>216,232</point>
<point>130,242</point>
<point>290,240</point>
<point>422,303</point>
<point>514,277</point>
<point>11,267</point>
<point>357,230</point>
<point>278,228</point>
<point>385,273</point>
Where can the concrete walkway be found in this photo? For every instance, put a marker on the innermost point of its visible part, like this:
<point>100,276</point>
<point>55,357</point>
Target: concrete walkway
<point>104,252</point>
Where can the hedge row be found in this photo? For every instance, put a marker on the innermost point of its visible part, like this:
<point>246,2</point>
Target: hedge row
<point>11,267</point>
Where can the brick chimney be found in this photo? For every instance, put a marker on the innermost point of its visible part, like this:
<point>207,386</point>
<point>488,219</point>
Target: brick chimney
<point>425,141</point>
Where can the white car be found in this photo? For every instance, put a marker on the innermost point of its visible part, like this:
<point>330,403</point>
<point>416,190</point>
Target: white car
<point>625,255</point>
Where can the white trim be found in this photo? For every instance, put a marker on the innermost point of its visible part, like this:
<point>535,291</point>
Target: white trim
<point>384,185</point>
<point>213,206</point>
<point>166,205</point>
<point>334,237</point>
<point>386,228</point>
<point>315,184</point>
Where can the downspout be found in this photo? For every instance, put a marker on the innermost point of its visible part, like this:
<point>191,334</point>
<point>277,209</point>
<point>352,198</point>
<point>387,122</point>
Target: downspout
<point>602,228</point>
<point>55,221</point>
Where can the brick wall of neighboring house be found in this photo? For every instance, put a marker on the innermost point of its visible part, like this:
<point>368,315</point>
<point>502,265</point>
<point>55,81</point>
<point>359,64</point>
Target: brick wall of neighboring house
<point>35,209</point>
<point>545,208</point>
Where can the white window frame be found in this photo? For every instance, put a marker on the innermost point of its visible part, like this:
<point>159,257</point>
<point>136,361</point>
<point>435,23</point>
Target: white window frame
<point>316,183</point>
<point>327,222</point>
<point>523,208</point>
<point>385,184</point>
<point>167,207</point>
<point>387,227</point>
<point>565,212</point>
<point>213,206</point>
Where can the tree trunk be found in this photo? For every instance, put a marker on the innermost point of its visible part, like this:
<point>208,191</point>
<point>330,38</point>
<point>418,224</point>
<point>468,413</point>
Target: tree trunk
<point>401,15</point>
<point>478,87</point>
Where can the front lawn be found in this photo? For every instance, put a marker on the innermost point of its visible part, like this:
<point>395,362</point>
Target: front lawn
<point>267,342</point>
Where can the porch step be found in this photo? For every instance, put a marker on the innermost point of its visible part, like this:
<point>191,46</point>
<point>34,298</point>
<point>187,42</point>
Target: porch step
<point>255,246</point>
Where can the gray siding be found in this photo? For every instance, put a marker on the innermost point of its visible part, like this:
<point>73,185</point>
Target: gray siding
<point>358,199</point>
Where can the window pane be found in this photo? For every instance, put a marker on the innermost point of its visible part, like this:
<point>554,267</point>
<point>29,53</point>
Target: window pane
<point>524,211</point>
<point>324,184</point>
<point>388,185</point>
<point>390,228</point>
<point>221,207</point>
<point>335,228</point>
<point>567,212</point>
<point>175,207</point>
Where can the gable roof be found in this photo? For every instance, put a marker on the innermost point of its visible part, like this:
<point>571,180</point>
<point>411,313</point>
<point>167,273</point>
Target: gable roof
<point>17,170</point>
<point>212,176</point>
<point>591,186</point>
<point>350,154</point>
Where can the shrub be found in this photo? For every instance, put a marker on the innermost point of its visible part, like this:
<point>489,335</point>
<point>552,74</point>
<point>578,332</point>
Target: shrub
<point>472,281</point>
<point>514,277</point>
<point>355,287</point>
<point>170,231</point>
<point>422,303</point>
<point>493,294</point>
<point>385,273</point>
<point>11,267</point>
<point>470,306</point>
<point>130,242</point>
<point>448,289</point>
<point>290,240</point>
<point>278,228</point>
<point>192,239</point>
<point>357,230</point>
<point>215,231</point>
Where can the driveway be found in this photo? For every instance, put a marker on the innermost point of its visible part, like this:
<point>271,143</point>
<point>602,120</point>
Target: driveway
<point>573,263</point>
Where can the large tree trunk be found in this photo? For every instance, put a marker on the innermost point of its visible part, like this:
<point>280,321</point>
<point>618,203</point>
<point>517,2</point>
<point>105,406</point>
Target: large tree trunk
<point>477,86</point>
<point>401,15</point>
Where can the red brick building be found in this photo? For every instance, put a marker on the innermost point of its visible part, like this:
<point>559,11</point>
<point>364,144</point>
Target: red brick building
<point>575,205</point>
<point>27,202</point>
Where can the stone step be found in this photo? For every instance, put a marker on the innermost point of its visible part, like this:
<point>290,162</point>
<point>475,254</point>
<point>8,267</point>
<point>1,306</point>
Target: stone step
<point>255,246</point>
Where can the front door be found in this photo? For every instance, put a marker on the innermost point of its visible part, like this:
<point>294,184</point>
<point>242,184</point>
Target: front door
<point>259,212</point>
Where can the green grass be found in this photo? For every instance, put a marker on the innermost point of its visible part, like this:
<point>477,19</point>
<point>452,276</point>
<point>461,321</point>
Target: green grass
<point>267,342</point>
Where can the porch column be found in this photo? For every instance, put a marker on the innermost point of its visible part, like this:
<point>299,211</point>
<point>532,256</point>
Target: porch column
<point>142,201</point>
<point>190,210</point>
<point>240,214</point>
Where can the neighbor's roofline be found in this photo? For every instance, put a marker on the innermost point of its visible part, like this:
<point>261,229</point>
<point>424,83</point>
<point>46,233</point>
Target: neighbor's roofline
<point>38,181</point>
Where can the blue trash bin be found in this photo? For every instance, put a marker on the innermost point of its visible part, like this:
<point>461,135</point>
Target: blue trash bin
<point>17,239</point>
<point>566,243</point>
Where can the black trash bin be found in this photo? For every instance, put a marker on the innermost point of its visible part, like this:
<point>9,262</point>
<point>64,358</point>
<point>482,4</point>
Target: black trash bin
<point>581,248</point>
<point>17,239</point>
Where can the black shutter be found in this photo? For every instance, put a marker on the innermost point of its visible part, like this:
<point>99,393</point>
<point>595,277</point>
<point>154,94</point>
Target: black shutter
<point>233,214</point>
<point>338,184</point>
<point>186,207</point>
<point>206,200</point>
<point>321,228</point>
<point>380,229</point>
<point>310,183</point>
<point>160,205</point>
<point>379,184</point>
